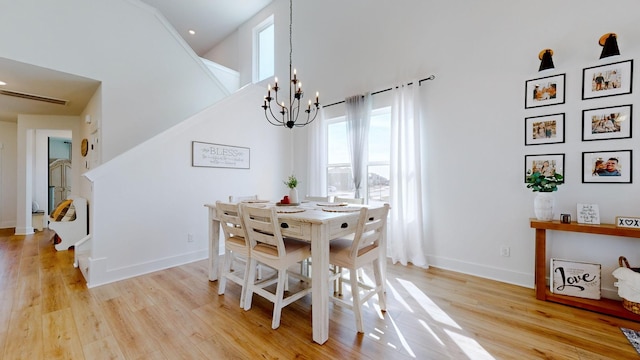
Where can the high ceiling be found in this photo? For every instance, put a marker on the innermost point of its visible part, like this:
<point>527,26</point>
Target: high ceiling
<point>212,21</point>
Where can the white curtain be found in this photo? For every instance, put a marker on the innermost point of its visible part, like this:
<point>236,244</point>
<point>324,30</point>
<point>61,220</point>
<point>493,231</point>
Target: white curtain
<point>405,241</point>
<point>358,119</point>
<point>317,169</point>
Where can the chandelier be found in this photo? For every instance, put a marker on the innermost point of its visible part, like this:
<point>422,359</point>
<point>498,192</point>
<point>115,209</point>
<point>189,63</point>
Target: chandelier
<point>289,113</point>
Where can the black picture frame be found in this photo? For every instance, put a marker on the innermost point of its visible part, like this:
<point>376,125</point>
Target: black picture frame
<point>544,129</point>
<point>607,123</point>
<point>536,163</point>
<point>544,91</point>
<point>595,168</point>
<point>607,80</point>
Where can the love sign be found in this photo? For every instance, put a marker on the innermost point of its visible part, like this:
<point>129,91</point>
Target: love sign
<point>628,222</point>
<point>575,278</point>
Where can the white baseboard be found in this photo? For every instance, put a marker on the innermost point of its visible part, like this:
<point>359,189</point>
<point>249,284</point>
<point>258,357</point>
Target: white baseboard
<point>100,275</point>
<point>498,274</point>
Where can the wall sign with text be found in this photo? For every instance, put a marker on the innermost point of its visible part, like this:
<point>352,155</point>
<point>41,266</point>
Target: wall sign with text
<point>588,214</point>
<point>221,156</point>
<point>628,222</point>
<point>575,278</point>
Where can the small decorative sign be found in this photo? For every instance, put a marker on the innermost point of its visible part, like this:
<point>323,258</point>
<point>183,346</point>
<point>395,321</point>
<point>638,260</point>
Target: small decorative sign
<point>216,155</point>
<point>575,278</point>
<point>588,214</point>
<point>628,222</point>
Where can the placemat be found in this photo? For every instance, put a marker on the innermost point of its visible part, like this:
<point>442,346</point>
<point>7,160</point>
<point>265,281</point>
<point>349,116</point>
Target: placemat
<point>341,209</point>
<point>332,204</point>
<point>255,201</point>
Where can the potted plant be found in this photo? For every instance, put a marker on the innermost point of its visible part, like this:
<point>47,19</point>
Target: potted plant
<point>292,183</point>
<point>544,185</point>
<point>540,183</point>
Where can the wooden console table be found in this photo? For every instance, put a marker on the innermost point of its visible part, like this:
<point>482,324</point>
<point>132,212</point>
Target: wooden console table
<point>604,306</point>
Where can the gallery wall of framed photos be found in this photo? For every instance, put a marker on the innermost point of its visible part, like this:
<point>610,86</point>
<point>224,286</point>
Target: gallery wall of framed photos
<point>606,115</point>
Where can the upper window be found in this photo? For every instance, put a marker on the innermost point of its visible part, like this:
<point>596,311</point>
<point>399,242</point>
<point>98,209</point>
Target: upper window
<point>263,50</point>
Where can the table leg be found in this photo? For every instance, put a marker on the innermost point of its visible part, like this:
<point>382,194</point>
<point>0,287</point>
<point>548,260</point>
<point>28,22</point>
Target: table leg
<point>541,264</point>
<point>320,283</point>
<point>214,244</point>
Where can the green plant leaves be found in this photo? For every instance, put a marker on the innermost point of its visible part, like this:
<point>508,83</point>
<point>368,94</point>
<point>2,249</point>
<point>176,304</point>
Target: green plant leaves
<point>538,182</point>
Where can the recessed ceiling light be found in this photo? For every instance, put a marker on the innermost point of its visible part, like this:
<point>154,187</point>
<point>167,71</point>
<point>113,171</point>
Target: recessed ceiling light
<point>2,83</point>
<point>192,32</point>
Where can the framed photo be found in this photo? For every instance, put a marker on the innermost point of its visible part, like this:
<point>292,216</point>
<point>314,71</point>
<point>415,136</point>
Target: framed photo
<point>544,91</point>
<point>548,165</point>
<point>607,166</point>
<point>606,123</point>
<point>219,156</point>
<point>607,80</point>
<point>544,129</point>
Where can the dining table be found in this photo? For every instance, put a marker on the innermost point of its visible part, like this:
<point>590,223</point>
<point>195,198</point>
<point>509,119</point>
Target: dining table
<point>315,222</point>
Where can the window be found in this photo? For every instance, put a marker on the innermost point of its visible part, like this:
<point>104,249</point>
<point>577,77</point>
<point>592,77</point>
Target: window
<point>263,50</point>
<point>339,179</point>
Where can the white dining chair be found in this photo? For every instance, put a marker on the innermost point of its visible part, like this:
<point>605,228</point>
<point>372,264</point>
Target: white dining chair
<point>353,254</point>
<point>317,198</point>
<point>355,201</point>
<point>241,198</point>
<point>268,247</point>
<point>339,199</point>
<point>236,247</point>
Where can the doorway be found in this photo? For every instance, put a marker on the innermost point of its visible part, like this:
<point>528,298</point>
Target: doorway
<point>59,159</point>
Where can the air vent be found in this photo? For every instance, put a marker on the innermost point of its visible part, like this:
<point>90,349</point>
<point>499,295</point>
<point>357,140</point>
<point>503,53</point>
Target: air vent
<point>33,97</point>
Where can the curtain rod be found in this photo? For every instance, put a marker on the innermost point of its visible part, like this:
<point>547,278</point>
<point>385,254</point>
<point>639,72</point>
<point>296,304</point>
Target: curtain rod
<point>381,91</point>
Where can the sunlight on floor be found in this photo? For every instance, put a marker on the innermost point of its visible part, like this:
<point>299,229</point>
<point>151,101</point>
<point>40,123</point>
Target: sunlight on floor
<point>438,324</point>
<point>468,345</point>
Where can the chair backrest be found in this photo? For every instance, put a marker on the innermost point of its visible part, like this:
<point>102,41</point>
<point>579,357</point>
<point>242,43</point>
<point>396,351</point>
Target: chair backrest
<point>263,230</point>
<point>338,199</point>
<point>231,222</point>
<point>317,198</point>
<point>240,198</point>
<point>369,230</point>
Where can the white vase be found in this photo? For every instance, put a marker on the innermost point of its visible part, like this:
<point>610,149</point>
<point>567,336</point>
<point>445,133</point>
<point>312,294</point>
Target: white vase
<point>293,195</point>
<point>543,206</point>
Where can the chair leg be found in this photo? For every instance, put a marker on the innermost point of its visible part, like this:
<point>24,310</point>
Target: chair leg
<point>377,273</point>
<point>250,283</point>
<point>339,270</point>
<point>279,297</point>
<point>226,266</point>
<point>245,282</point>
<point>357,305</point>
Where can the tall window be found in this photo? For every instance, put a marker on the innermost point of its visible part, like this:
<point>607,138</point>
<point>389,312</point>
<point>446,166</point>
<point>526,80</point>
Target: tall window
<point>263,50</point>
<point>339,178</point>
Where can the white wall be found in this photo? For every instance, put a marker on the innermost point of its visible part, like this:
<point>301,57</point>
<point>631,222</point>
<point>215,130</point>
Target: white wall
<point>8,179</point>
<point>481,53</point>
<point>151,80</point>
<point>151,198</point>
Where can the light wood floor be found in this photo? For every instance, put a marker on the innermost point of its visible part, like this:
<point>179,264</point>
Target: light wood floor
<point>46,312</point>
